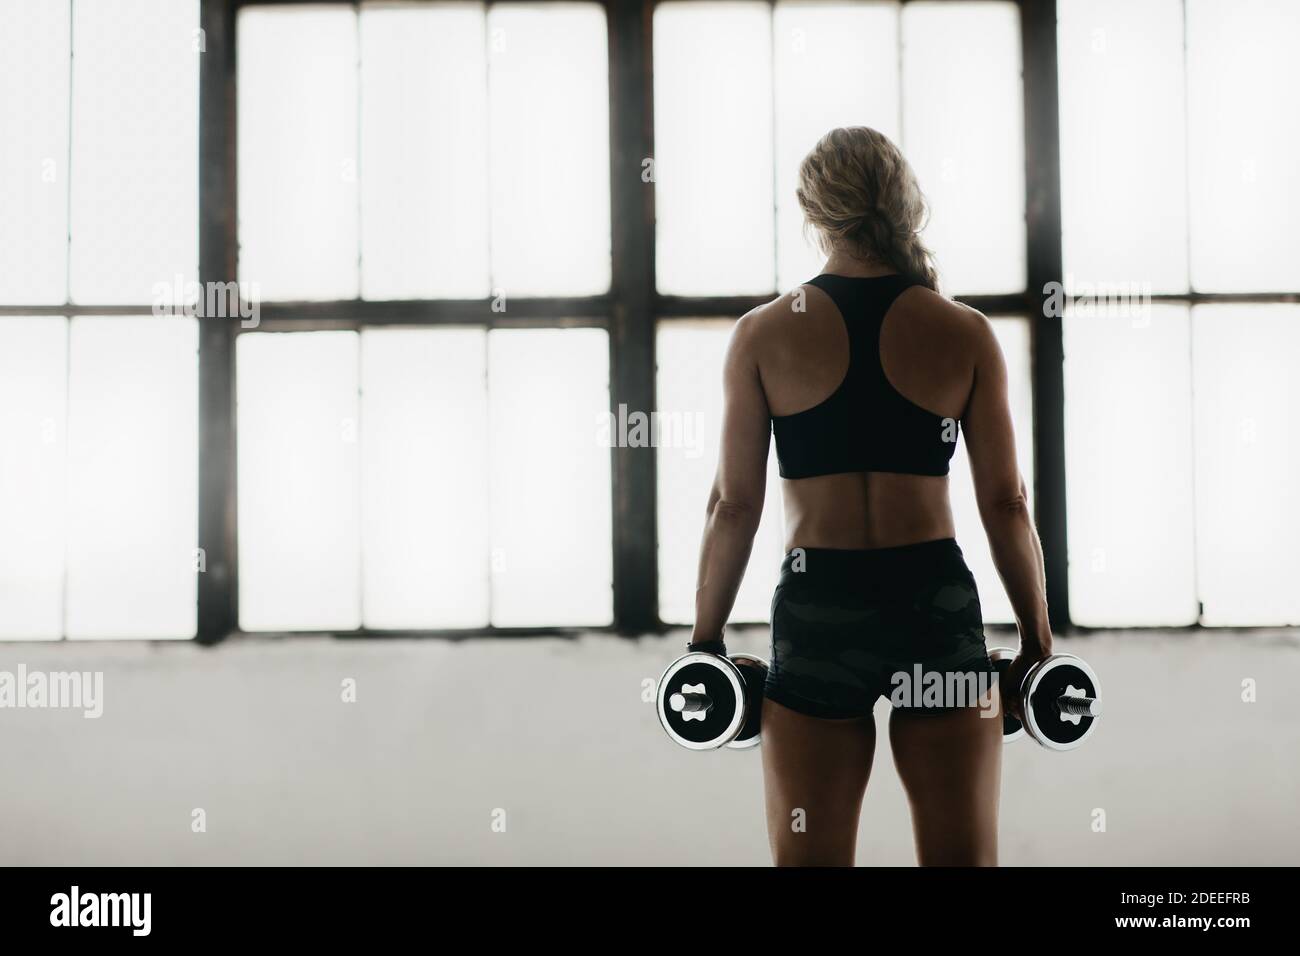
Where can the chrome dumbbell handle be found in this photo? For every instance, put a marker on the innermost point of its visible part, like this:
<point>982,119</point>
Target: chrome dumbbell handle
<point>688,703</point>
<point>1072,696</point>
<point>1079,706</point>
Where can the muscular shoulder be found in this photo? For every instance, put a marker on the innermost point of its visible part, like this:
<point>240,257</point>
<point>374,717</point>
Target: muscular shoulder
<point>943,314</point>
<point>933,316</point>
<point>763,325</point>
<point>774,315</point>
<point>939,316</point>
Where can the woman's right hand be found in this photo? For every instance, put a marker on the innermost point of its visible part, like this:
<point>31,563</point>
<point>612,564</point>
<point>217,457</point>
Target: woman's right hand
<point>1013,678</point>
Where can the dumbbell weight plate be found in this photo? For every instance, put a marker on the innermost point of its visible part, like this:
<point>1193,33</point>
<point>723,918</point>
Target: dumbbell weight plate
<point>725,687</point>
<point>1048,681</point>
<point>1012,729</point>
<point>753,671</point>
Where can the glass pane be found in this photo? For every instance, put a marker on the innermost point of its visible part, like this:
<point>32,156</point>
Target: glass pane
<point>1247,514</point>
<point>836,65</point>
<point>298,151</point>
<point>689,394</point>
<point>424,505</point>
<point>299,490</point>
<point>33,475</point>
<point>133,464</point>
<point>1013,336</point>
<point>34,47</point>
<point>1243,134</point>
<point>424,223</point>
<point>1128,449</point>
<point>713,148</point>
<point>135,137</point>
<point>548,97</point>
<point>963,115</point>
<point>1123,159</point>
<point>550,477</point>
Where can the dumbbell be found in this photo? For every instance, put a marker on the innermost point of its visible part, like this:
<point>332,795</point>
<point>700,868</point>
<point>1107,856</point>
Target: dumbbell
<point>1059,698</point>
<point>707,701</point>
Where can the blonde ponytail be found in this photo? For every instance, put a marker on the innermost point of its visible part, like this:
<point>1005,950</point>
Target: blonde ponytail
<point>858,192</point>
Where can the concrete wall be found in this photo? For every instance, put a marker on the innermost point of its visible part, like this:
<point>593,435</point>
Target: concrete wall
<point>557,734</point>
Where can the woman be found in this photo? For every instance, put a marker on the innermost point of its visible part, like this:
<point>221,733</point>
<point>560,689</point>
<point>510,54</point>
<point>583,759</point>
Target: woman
<point>864,374</point>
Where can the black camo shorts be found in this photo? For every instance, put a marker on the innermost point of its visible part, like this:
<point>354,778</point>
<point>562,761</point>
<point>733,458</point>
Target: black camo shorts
<point>851,626</point>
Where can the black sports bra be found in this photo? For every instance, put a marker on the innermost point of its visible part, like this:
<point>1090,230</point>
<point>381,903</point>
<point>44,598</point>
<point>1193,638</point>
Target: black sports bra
<point>866,424</point>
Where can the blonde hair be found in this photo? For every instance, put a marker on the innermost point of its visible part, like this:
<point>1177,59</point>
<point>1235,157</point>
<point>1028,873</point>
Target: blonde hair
<point>858,193</point>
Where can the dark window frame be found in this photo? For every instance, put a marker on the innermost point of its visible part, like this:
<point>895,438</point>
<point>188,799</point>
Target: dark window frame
<point>630,312</point>
<point>218,611</point>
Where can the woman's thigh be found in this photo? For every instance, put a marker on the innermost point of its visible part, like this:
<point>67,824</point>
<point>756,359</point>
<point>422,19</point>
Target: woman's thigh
<point>815,773</point>
<point>950,765</point>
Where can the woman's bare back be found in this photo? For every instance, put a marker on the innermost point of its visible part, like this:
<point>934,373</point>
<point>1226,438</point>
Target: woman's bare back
<point>928,349</point>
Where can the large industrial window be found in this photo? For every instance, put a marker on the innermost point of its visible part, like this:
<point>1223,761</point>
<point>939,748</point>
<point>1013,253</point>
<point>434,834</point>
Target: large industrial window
<point>742,91</point>
<point>98,396</point>
<point>1179,130</point>
<point>403,476</point>
<point>480,235</point>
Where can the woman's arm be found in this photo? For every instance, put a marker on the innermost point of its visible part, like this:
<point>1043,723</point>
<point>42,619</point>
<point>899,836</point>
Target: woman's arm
<point>736,499</point>
<point>1004,506</point>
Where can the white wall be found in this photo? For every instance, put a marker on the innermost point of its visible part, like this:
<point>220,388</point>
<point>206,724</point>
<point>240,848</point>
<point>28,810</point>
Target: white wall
<point>556,733</point>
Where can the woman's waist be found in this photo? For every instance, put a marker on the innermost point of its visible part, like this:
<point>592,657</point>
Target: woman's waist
<point>866,512</point>
<point>883,570</point>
